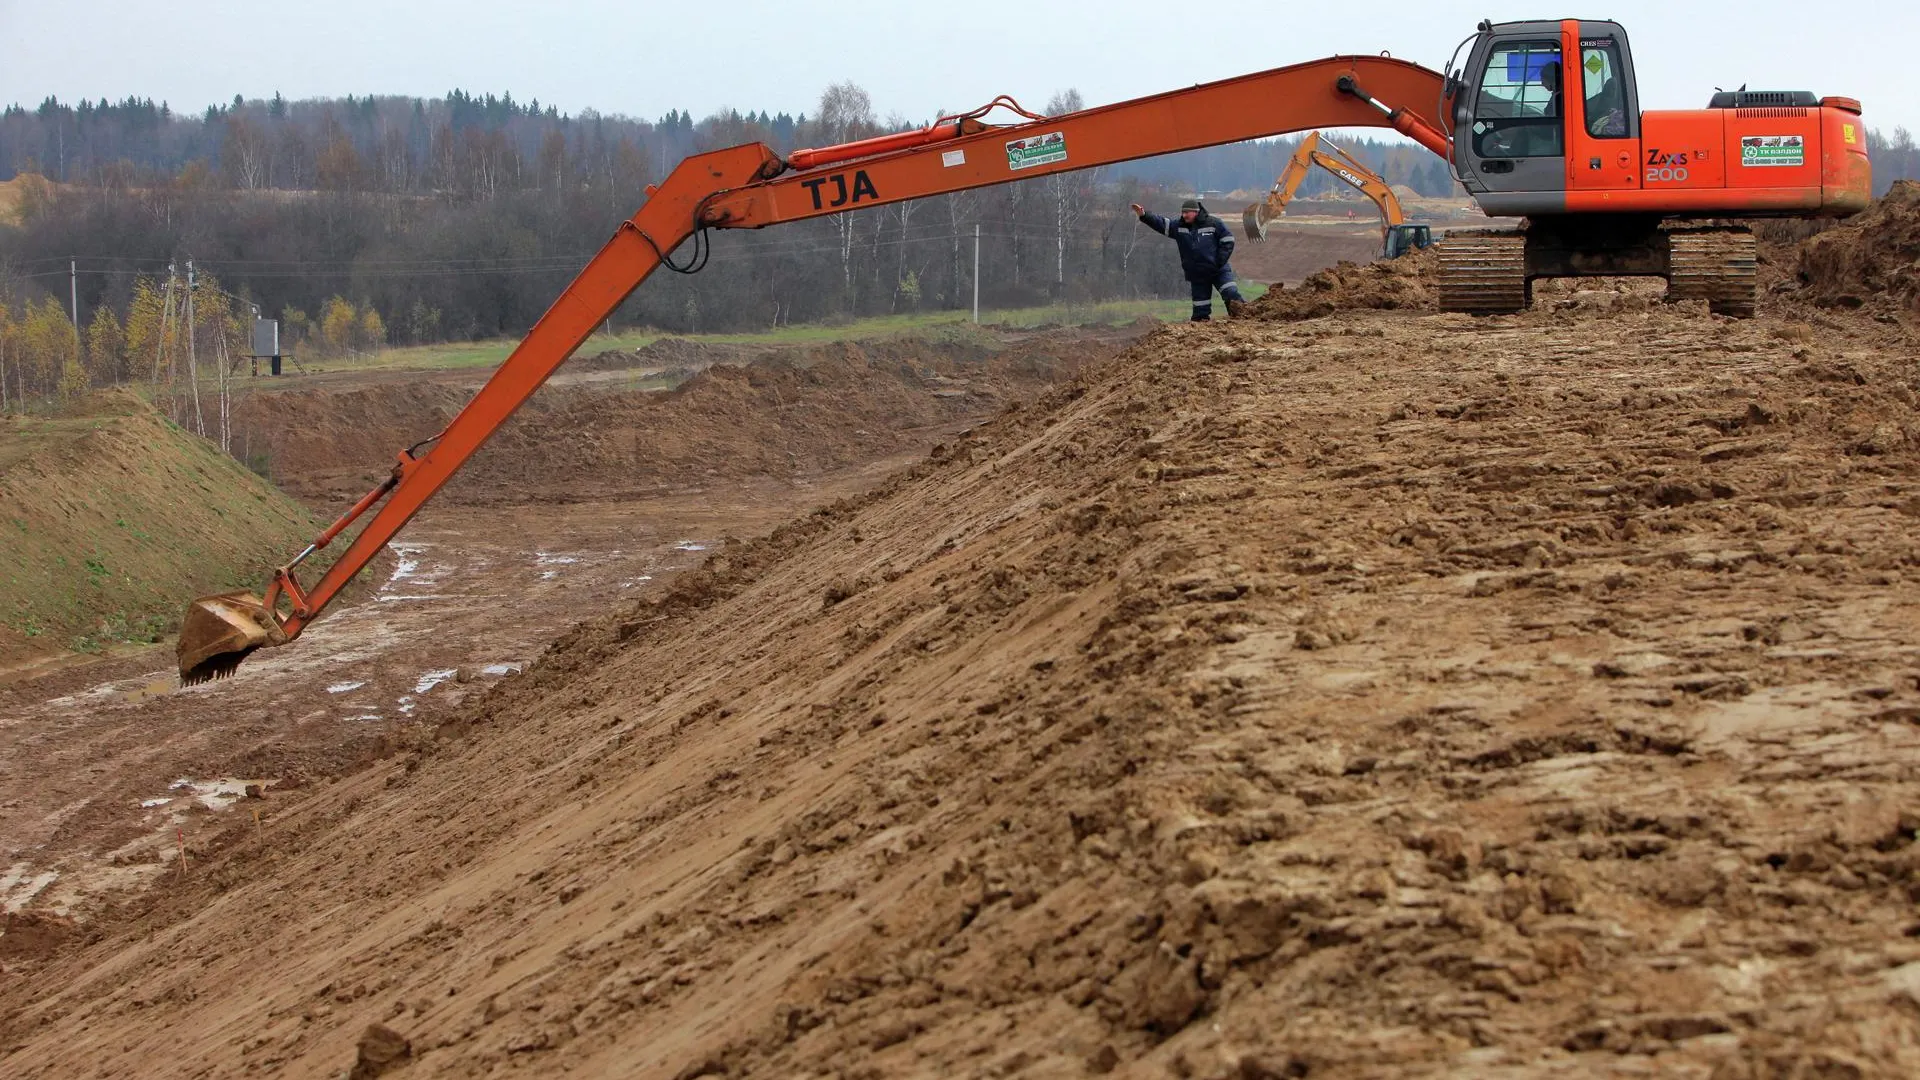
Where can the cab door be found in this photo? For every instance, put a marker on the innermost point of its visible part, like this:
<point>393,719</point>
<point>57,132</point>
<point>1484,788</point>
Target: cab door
<point>1603,118</point>
<point>1512,114</point>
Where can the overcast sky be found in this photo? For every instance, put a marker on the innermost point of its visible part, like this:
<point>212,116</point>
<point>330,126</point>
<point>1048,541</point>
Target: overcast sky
<point>643,58</point>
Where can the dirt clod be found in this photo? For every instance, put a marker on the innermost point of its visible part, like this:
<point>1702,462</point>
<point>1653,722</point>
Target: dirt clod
<point>381,1050</point>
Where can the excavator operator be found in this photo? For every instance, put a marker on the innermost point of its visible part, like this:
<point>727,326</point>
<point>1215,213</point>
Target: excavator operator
<point>1206,246</point>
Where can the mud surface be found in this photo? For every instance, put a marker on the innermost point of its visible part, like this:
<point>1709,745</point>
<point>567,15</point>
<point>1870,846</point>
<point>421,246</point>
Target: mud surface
<point>111,776</point>
<point>1404,284</point>
<point>107,771</point>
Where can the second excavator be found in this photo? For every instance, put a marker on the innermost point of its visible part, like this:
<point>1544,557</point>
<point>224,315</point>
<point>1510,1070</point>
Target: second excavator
<point>1396,236</point>
<point>1543,122</point>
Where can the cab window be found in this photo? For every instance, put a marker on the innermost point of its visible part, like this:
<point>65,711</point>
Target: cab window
<point>1601,81</point>
<point>1518,110</point>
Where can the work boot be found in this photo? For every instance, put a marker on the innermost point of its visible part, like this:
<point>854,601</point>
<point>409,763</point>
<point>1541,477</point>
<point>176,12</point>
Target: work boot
<point>1237,308</point>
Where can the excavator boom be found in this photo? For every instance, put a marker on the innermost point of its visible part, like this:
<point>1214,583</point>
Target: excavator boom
<point>1520,128</point>
<point>749,187</point>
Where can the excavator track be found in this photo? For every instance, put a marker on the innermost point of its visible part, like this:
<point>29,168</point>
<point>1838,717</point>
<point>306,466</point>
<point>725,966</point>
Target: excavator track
<point>1715,265</point>
<point>1484,273</point>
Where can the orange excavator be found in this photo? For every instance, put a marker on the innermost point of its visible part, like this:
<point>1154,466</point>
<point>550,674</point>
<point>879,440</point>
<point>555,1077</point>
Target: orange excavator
<point>1543,121</point>
<point>1396,236</point>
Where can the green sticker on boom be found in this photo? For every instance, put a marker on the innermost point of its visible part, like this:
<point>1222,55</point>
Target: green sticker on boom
<point>1762,150</point>
<point>1038,150</point>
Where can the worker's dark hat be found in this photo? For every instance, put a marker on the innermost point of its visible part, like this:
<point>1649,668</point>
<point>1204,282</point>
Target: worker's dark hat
<point>1192,204</point>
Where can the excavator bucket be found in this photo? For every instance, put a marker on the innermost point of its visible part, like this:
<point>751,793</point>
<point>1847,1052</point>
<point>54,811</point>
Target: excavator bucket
<point>1256,228</point>
<point>220,631</point>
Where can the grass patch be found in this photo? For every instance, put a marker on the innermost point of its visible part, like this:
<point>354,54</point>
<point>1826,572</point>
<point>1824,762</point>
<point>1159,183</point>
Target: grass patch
<point>489,354</point>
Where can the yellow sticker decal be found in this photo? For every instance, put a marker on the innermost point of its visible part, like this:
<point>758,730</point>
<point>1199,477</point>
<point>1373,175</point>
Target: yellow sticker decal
<point>1594,63</point>
<point>1846,132</point>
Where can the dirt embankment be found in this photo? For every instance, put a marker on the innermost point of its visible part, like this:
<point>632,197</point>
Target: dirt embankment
<point>788,413</point>
<point>111,517</point>
<point>1383,694</point>
<point>669,354</point>
<point>1871,261</point>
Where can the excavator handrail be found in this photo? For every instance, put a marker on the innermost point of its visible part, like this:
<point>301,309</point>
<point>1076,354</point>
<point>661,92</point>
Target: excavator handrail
<point>750,186</point>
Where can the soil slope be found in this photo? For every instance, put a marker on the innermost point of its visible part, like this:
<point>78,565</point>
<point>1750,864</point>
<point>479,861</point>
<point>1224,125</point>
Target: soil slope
<point>1378,694</point>
<point>110,517</point>
<point>1870,261</point>
<point>781,414</point>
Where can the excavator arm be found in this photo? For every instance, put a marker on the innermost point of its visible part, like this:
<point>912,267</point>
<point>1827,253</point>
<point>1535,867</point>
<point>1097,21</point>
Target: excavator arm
<point>1369,183</point>
<point>750,186</point>
<point>1285,186</point>
<point>1336,161</point>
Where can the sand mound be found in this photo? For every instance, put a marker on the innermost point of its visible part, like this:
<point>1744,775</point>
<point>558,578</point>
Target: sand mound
<point>1374,696</point>
<point>1404,284</point>
<point>1873,260</point>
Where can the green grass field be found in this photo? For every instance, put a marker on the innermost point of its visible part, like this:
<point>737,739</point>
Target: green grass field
<point>488,354</point>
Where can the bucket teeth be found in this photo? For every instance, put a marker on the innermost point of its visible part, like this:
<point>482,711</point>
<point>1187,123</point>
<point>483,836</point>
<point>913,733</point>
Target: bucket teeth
<point>220,631</point>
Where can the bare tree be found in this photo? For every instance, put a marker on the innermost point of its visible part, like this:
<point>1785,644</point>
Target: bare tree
<point>1065,192</point>
<point>244,152</point>
<point>845,114</point>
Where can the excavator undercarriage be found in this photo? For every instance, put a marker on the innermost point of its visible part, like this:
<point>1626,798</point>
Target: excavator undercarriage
<point>1492,272</point>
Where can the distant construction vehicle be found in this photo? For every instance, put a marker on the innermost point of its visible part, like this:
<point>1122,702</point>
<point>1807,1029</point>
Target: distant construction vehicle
<point>1606,190</point>
<point>1396,236</point>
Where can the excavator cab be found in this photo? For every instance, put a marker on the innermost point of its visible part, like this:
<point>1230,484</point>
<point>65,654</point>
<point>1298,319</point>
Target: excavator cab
<point>1404,238</point>
<point>1533,95</point>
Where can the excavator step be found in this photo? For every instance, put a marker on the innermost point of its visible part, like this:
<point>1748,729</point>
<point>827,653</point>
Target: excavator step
<point>1715,265</point>
<point>1484,273</point>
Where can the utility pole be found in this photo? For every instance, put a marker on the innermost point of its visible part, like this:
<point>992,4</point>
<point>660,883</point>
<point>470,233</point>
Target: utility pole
<point>976,272</point>
<point>73,292</point>
<point>193,364</point>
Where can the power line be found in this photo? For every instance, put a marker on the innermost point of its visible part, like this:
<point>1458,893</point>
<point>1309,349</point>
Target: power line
<point>533,265</point>
<point>479,263</point>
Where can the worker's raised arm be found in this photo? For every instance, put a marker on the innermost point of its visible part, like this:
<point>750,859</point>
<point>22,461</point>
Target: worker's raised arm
<point>1157,223</point>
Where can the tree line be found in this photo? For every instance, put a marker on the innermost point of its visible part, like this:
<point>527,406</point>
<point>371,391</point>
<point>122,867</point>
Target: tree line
<point>461,217</point>
<point>466,146</point>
